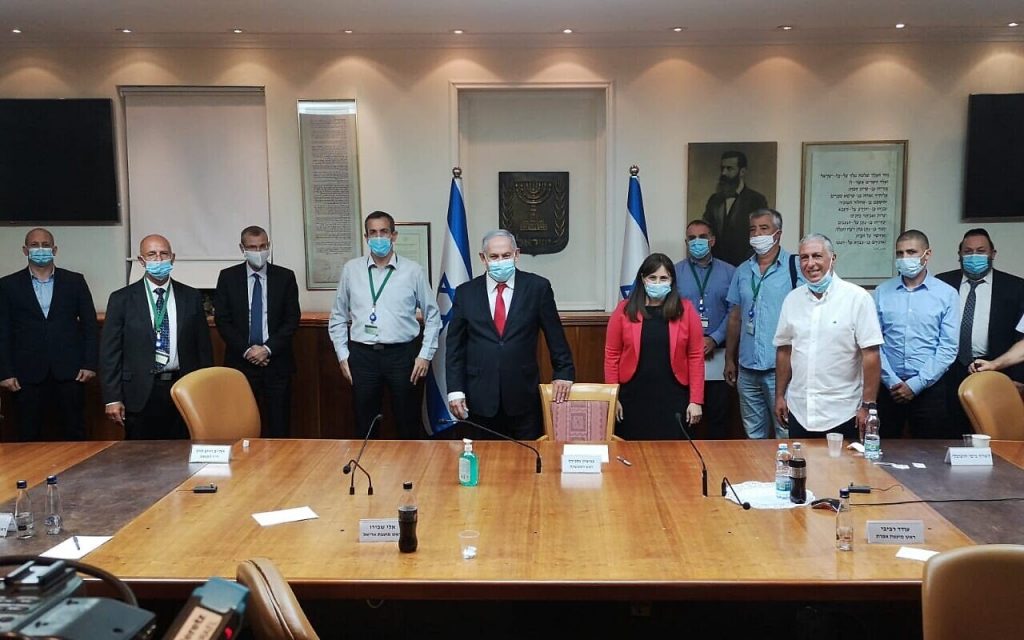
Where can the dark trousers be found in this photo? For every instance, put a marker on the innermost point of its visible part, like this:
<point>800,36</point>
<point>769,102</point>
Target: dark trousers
<point>716,409</point>
<point>521,427</point>
<point>926,414</point>
<point>375,366</point>
<point>273,391</point>
<point>956,415</point>
<point>65,396</point>
<point>159,419</point>
<point>849,429</point>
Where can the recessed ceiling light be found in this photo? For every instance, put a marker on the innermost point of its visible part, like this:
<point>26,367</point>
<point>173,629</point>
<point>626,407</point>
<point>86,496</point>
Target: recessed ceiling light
<point>123,30</point>
<point>458,32</point>
<point>1013,24</point>
<point>900,25</point>
<point>348,31</point>
<point>15,30</point>
<point>678,29</point>
<point>786,27</point>
<point>566,30</point>
<point>237,30</point>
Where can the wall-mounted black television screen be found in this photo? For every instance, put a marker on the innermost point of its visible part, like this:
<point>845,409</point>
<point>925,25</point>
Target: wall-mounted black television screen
<point>57,162</point>
<point>994,170</point>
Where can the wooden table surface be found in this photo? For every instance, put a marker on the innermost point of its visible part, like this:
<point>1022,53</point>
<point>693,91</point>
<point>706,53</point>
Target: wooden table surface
<point>642,532</point>
<point>34,461</point>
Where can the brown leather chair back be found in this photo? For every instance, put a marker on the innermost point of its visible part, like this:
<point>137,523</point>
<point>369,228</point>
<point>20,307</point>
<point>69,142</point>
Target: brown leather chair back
<point>993,405</point>
<point>973,592</point>
<point>587,416</point>
<point>217,404</point>
<point>273,612</point>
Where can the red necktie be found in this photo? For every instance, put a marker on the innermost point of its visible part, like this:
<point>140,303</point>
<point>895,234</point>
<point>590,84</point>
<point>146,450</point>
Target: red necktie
<point>499,309</point>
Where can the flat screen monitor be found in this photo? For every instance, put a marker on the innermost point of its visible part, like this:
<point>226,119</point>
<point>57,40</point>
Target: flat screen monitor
<point>57,162</point>
<point>994,169</point>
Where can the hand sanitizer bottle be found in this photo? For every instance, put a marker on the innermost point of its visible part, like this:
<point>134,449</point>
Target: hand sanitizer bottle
<point>469,471</point>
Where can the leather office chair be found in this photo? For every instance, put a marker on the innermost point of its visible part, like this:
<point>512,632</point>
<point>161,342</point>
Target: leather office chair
<point>588,415</point>
<point>993,405</point>
<point>973,592</point>
<point>217,404</point>
<point>273,612</point>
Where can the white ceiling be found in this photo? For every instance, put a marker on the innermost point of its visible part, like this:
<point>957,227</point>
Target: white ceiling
<point>500,22</point>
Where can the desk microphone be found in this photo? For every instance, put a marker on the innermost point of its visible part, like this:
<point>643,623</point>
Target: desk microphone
<point>703,467</point>
<point>497,433</point>
<point>726,483</point>
<point>347,469</point>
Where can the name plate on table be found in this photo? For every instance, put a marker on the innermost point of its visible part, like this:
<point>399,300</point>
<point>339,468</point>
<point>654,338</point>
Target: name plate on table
<point>969,457</point>
<point>210,454</point>
<point>6,522</point>
<point>378,530</point>
<point>580,463</point>
<point>895,532</point>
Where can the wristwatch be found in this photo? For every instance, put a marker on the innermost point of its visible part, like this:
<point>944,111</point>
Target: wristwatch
<point>869,405</point>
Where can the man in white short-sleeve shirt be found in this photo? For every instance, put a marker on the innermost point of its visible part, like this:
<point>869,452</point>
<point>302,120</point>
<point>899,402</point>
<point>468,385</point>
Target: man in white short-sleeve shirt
<point>1014,355</point>
<point>827,362</point>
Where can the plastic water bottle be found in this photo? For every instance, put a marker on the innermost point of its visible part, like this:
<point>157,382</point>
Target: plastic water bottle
<point>54,519</point>
<point>23,518</point>
<point>782,483</point>
<point>844,522</point>
<point>407,518</point>
<point>872,441</point>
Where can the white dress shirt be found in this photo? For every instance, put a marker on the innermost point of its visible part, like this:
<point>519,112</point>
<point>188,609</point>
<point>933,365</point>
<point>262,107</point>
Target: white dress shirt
<point>982,311</point>
<point>172,317</point>
<point>827,336</point>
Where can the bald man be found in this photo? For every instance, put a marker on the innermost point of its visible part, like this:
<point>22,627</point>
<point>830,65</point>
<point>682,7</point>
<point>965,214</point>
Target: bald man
<point>48,339</point>
<point>154,333</point>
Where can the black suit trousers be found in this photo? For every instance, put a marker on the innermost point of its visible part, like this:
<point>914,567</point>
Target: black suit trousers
<point>389,366</point>
<point>159,418</point>
<point>68,395</point>
<point>273,391</point>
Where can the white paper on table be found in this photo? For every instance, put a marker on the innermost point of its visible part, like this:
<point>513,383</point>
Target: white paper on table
<point>586,450</point>
<point>714,369</point>
<point>68,551</point>
<point>910,553</point>
<point>268,518</point>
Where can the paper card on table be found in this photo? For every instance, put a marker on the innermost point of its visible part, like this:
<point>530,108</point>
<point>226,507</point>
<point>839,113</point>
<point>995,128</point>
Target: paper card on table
<point>969,457</point>
<point>6,523</point>
<point>576,463</point>
<point>856,446</point>
<point>895,532</point>
<point>919,465</point>
<point>586,450</point>
<point>210,453</point>
<point>909,553</point>
<point>378,530</point>
<point>268,518</point>
<point>69,550</point>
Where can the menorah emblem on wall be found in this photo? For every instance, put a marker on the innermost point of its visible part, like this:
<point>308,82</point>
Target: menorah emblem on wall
<point>533,193</point>
<point>534,205</point>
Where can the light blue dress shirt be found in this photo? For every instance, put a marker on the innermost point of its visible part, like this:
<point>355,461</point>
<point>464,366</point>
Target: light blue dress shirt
<point>758,351</point>
<point>716,307</point>
<point>44,292</point>
<point>921,327</point>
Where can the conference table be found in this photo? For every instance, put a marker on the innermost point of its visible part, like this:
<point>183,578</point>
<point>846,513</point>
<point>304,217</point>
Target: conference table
<point>631,533</point>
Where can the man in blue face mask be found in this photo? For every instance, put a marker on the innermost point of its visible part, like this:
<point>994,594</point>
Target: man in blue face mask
<point>491,364</point>
<point>704,280</point>
<point>827,362</point>
<point>991,303</point>
<point>374,329</point>
<point>920,318</point>
<point>48,340</point>
<point>154,333</point>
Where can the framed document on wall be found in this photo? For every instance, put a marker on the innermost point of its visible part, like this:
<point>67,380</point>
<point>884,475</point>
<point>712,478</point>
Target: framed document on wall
<point>330,188</point>
<point>413,242</point>
<point>855,193</point>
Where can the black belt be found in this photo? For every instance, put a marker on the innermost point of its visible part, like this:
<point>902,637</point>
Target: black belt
<point>165,376</point>
<point>377,346</point>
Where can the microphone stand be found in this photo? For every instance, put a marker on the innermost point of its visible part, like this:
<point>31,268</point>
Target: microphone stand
<point>726,483</point>
<point>497,433</point>
<point>703,467</point>
<point>347,469</point>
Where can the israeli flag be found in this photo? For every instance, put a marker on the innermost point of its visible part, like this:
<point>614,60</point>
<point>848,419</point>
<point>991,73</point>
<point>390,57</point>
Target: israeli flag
<point>455,269</point>
<point>635,245</point>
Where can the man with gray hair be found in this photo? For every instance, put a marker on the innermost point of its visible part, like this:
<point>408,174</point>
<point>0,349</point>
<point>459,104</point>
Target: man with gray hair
<point>827,363</point>
<point>491,364</point>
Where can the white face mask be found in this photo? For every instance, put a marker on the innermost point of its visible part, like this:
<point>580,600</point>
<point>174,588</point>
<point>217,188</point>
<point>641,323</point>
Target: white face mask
<point>257,259</point>
<point>762,244</point>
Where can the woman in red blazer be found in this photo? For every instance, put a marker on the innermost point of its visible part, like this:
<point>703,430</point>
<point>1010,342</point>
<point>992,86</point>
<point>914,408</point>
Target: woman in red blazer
<point>655,351</point>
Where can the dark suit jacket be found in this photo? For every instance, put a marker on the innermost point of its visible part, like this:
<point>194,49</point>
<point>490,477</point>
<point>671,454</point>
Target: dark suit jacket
<point>490,369</point>
<point>33,345</point>
<point>231,313</point>
<point>732,234</point>
<point>128,343</point>
<point>1007,309</point>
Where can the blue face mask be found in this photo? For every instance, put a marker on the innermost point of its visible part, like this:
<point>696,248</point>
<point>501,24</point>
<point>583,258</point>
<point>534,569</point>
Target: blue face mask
<point>821,286</point>
<point>657,290</point>
<point>974,264</point>
<point>40,256</point>
<point>501,270</point>
<point>159,269</point>
<point>909,267</point>
<point>380,247</point>
<point>699,248</point>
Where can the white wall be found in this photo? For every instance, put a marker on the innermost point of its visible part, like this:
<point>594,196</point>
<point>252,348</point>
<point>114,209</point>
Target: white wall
<point>663,99</point>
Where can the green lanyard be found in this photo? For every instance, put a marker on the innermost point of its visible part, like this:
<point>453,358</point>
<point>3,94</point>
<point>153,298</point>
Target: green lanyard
<point>158,314</point>
<point>376,294</point>
<point>757,289</point>
<point>702,285</point>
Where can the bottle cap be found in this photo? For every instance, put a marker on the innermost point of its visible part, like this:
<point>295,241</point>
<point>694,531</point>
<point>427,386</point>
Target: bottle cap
<point>407,485</point>
<point>51,479</point>
<point>22,484</point>
<point>783,446</point>
<point>468,444</point>
<point>844,493</point>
